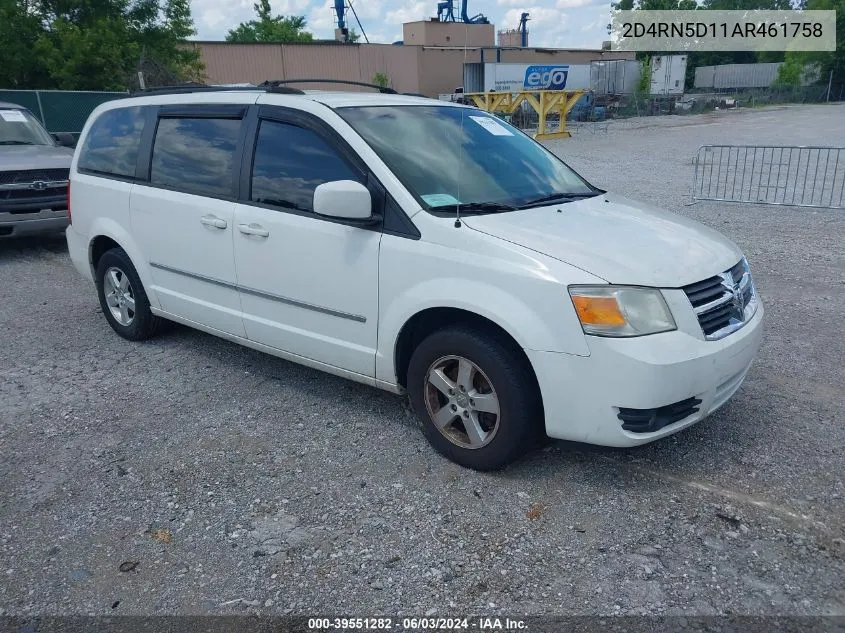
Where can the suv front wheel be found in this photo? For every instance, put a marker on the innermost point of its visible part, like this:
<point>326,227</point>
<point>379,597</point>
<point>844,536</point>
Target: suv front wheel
<point>476,397</point>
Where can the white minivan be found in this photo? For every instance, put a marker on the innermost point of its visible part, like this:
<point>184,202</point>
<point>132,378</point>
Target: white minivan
<point>416,246</point>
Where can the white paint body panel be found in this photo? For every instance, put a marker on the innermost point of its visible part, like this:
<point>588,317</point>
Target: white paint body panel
<point>619,240</point>
<point>343,199</point>
<point>336,297</point>
<point>168,228</point>
<point>327,266</point>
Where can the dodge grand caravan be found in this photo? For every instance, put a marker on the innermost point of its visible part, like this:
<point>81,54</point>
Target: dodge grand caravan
<point>416,246</point>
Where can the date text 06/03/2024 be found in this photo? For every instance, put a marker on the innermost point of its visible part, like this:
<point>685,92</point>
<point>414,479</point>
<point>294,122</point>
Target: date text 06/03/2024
<point>418,624</point>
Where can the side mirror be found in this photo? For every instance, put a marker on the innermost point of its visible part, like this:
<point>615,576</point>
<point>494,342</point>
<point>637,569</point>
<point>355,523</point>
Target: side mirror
<point>65,139</point>
<point>343,199</point>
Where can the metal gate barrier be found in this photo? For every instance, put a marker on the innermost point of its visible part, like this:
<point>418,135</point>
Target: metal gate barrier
<point>792,176</point>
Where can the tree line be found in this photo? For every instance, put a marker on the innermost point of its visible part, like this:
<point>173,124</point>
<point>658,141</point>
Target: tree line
<point>104,44</point>
<point>93,44</point>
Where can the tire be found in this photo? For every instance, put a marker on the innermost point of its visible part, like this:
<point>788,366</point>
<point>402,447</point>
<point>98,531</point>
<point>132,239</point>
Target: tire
<point>501,380</point>
<point>128,310</point>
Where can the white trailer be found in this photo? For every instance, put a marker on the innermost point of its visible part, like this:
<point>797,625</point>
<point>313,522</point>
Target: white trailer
<point>668,73</point>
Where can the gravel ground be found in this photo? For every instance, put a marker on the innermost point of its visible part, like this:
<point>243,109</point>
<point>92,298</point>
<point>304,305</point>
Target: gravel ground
<point>221,480</point>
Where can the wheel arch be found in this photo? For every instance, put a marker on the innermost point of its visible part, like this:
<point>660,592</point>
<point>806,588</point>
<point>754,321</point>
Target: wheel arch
<point>98,247</point>
<point>107,234</point>
<point>429,320</point>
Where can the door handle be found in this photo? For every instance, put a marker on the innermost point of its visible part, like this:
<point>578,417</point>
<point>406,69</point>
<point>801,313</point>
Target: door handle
<point>211,220</point>
<point>253,229</point>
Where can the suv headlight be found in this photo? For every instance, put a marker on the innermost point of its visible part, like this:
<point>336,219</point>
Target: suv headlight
<point>621,310</point>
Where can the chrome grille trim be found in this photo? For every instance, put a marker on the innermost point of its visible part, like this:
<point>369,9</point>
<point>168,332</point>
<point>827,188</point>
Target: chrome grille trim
<point>39,185</point>
<point>735,301</point>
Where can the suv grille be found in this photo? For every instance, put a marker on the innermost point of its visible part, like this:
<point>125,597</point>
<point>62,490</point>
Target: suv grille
<point>725,302</point>
<point>32,175</point>
<point>32,184</point>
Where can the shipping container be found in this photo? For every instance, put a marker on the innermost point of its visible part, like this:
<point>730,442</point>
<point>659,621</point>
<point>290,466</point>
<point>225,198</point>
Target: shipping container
<point>736,76</point>
<point>614,77</point>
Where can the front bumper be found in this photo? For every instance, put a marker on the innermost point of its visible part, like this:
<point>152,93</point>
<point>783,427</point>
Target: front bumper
<point>582,395</point>
<point>42,221</point>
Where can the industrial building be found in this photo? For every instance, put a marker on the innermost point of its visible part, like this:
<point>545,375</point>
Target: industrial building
<point>430,60</point>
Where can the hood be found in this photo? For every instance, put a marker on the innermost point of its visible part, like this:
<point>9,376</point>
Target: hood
<point>619,240</point>
<point>23,157</point>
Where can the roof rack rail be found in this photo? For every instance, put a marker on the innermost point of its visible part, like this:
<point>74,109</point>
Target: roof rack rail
<point>276,84</point>
<point>191,88</point>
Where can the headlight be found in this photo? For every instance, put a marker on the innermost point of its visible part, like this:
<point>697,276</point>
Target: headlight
<point>621,310</point>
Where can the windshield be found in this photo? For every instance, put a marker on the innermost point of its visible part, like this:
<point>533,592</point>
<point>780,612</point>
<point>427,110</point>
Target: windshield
<point>20,127</point>
<point>481,162</point>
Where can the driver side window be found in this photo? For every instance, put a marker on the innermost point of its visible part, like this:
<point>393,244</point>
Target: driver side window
<point>290,163</point>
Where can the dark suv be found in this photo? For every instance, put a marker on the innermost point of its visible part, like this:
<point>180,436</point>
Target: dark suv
<point>34,168</point>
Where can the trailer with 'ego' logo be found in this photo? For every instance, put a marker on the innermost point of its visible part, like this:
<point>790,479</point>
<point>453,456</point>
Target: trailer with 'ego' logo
<point>519,77</point>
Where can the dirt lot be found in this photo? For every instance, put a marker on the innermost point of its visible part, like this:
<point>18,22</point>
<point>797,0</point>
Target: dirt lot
<point>234,482</point>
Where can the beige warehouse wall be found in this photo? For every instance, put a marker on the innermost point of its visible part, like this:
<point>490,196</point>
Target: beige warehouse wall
<point>254,63</point>
<point>423,69</point>
<point>428,33</point>
<point>442,69</point>
<point>399,63</point>
<point>241,63</point>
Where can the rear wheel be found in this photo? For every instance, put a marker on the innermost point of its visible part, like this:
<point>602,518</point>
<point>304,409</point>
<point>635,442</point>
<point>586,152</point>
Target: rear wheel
<point>122,297</point>
<point>476,397</point>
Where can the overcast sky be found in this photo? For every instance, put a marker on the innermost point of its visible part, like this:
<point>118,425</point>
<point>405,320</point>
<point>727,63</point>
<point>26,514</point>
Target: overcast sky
<point>553,23</point>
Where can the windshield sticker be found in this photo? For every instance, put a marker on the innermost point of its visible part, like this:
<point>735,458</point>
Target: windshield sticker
<point>491,125</point>
<point>439,199</point>
<point>13,115</point>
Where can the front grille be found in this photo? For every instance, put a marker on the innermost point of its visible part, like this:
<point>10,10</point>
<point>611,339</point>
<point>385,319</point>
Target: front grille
<point>651,420</point>
<point>33,187</point>
<point>33,175</point>
<point>725,302</point>
<point>23,195</point>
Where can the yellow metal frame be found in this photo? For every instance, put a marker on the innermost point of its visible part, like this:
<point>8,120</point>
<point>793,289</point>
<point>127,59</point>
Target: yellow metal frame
<point>544,103</point>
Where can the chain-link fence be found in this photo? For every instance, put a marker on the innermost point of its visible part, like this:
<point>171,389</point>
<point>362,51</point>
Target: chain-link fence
<point>697,102</point>
<point>60,110</point>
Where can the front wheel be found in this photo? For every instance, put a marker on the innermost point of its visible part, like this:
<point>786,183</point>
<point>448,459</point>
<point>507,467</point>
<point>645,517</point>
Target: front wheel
<point>476,397</point>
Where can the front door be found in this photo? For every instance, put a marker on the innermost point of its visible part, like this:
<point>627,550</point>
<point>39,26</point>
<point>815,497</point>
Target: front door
<point>308,284</point>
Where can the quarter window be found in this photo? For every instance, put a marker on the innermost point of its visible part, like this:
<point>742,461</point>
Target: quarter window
<point>111,146</point>
<point>290,162</point>
<point>195,155</point>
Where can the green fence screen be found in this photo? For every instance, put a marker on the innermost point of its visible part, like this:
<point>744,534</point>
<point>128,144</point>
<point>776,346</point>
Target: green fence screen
<point>59,110</point>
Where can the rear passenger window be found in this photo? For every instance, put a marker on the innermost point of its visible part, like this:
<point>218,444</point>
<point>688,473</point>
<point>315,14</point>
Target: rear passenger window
<point>290,162</point>
<point>195,155</point>
<point>111,146</point>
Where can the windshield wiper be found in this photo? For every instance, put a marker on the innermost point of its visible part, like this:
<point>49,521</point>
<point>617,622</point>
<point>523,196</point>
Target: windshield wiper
<point>471,207</point>
<point>559,197</point>
<point>16,143</point>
